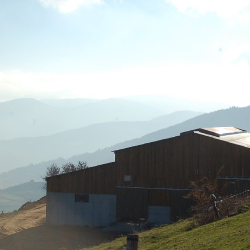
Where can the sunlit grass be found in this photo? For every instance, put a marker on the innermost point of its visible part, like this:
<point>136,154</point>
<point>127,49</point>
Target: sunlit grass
<point>230,233</point>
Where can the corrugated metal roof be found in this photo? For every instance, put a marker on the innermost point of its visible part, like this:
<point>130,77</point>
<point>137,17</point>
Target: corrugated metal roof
<point>243,139</point>
<point>228,134</point>
<point>217,131</point>
<point>239,139</point>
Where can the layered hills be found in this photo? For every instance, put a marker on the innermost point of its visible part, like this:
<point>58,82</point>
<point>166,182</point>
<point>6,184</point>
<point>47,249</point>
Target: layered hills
<point>23,151</point>
<point>31,118</point>
<point>238,117</point>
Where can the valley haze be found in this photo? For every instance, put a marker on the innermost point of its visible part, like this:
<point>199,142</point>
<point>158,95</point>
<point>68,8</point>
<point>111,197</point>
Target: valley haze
<point>81,78</point>
<point>32,131</point>
<point>232,116</point>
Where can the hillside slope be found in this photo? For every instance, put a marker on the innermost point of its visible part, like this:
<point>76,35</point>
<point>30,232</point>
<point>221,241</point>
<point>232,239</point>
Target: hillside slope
<point>15,222</point>
<point>230,233</point>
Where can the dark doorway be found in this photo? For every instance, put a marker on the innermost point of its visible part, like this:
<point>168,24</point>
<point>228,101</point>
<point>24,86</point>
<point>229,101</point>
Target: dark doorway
<point>131,203</point>
<point>180,207</point>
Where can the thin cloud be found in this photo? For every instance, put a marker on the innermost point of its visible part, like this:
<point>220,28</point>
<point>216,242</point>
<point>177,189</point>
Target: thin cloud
<point>234,52</point>
<point>227,9</point>
<point>66,6</point>
<point>177,79</point>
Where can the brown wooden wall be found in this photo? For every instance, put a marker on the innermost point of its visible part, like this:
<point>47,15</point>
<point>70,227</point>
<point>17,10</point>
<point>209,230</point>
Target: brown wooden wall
<point>159,197</point>
<point>95,180</point>
<point>132,203</point>
<point>176,161</point>
<point>173,162</point>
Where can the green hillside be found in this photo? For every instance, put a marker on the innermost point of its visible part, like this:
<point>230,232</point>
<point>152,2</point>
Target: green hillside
<point>230,233</point>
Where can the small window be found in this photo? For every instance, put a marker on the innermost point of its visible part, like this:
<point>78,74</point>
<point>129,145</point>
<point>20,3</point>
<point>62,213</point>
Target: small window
<point>82,198</point>
<point>127,178</point>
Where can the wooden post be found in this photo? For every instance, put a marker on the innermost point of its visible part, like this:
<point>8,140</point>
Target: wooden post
<point>216,211</point>
<point>132,242</point>
<point>213,198</point>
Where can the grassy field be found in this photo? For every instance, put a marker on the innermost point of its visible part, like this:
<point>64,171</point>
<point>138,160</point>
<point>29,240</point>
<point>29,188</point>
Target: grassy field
<point>230,233</point>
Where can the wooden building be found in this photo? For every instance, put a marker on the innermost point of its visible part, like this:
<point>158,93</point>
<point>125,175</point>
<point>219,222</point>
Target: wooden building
<point>148,181</point>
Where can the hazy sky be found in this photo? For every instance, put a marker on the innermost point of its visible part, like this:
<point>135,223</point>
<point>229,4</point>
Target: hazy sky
<point>109,48</point>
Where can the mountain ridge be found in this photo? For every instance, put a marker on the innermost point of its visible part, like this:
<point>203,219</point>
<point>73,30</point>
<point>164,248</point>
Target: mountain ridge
<point>237,117</point>
<point>76,141</point>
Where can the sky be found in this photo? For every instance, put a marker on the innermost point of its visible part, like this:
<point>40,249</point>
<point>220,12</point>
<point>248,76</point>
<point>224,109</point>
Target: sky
<point>113,48</point>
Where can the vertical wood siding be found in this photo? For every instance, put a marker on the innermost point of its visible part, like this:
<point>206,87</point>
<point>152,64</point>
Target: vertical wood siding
<point>132,203</point>
<point>177,161</point>
<point>95,180</point>
<point>173,162</point>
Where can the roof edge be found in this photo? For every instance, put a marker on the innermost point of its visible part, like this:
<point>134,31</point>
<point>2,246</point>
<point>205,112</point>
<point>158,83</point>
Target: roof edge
<point>208,132</point>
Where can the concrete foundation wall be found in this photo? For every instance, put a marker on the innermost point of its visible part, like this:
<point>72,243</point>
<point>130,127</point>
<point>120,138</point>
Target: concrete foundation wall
<point>159,215</point>
<point>63,210</point>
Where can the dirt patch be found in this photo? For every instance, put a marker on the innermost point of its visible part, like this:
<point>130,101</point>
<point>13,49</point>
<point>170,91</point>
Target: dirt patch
<point>30,205</point>
<point>53,238</point>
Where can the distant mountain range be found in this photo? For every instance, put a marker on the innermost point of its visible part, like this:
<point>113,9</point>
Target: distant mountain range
<point>32,131</point>
<point>23,151</point>
<point>170,104</point>
<point>237,117</point>
<point>31,118</point>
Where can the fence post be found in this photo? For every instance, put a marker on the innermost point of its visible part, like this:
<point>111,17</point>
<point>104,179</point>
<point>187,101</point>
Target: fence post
<point>216,211</point>
<point>132,242</point>
<point>213,198</point>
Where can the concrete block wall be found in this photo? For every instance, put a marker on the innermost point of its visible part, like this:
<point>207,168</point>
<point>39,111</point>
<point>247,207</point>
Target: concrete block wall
<point>63,210</point>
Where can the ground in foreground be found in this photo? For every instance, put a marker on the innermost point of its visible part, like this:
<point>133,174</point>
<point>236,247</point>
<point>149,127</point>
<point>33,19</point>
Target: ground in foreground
<point>26,229</point>
<point>230,233</point>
